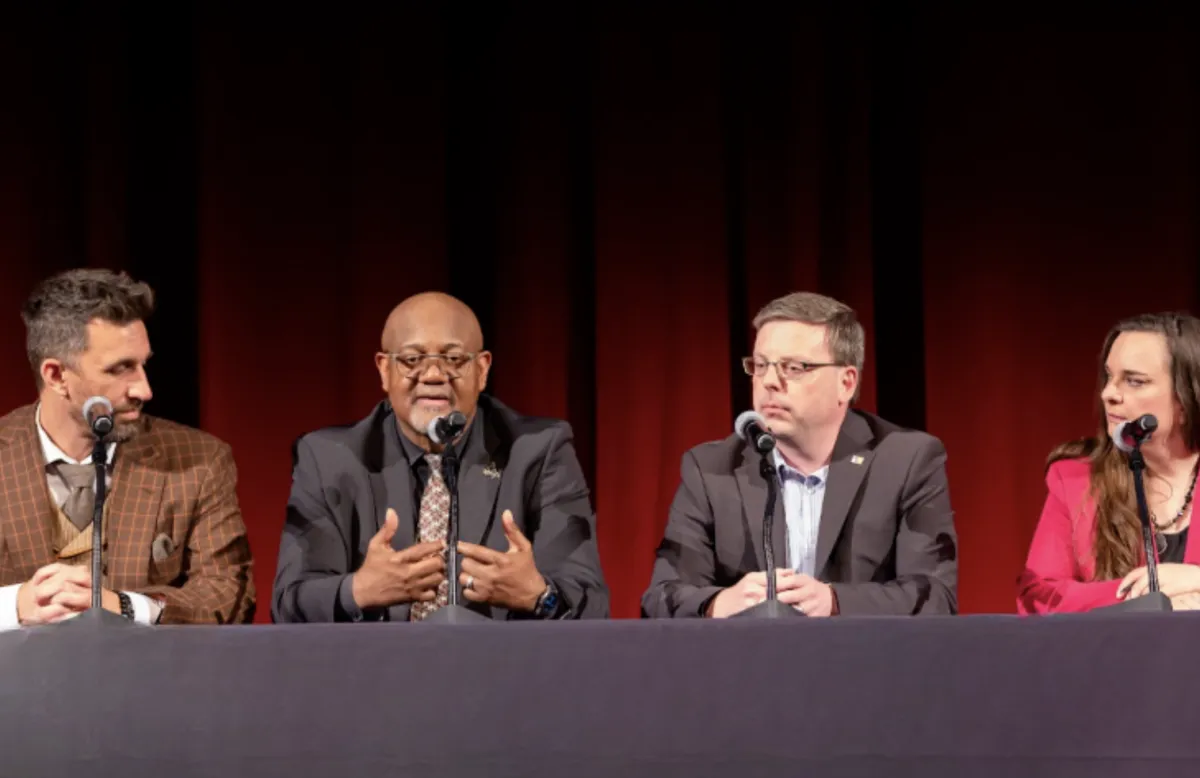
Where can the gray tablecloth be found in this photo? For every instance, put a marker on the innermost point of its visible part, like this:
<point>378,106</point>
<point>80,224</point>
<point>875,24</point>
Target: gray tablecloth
<point>968,696</point>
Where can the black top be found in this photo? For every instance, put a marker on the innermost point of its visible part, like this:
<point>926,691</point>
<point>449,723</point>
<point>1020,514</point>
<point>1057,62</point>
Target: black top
<point>1176,544</point>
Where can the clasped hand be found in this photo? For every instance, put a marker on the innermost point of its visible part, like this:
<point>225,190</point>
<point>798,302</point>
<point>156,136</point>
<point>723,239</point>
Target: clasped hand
<point>1179,582</point>
<point>803,592</point>
<point>59,591</point>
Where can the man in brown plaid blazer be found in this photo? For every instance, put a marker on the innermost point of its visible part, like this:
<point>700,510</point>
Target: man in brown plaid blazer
<point>175,548</point>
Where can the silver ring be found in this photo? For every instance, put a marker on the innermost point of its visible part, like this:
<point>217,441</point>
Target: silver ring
<point>470,582</point>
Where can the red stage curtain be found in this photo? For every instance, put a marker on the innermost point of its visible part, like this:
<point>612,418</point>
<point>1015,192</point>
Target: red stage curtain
<point>616,193</point>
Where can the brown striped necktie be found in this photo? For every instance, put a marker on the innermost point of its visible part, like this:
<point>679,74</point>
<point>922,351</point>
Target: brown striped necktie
<point>432,525</point>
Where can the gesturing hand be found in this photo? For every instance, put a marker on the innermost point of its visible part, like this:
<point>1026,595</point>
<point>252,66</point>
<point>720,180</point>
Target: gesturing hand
<point>509,579</point>
<point>389,577</point>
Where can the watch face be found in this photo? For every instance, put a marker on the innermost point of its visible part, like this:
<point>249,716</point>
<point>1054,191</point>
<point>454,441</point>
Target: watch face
<point>549,603</point>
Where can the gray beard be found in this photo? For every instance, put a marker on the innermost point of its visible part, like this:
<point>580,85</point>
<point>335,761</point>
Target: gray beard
<point>123,432</point>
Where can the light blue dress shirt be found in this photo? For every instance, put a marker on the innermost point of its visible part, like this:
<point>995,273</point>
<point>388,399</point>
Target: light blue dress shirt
<point>803,495</point>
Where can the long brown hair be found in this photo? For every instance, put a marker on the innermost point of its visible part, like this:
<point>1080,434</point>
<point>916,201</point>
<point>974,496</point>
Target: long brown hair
<point>1117,541</point>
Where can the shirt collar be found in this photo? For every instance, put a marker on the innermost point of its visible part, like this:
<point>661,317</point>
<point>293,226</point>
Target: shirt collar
<point>51,450</point>
<point>786,471</point>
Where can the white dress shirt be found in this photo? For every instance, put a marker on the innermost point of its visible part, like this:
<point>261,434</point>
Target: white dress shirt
<point>146,610</point>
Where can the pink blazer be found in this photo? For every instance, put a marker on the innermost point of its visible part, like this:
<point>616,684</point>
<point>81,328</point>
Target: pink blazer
<point>1058,570</point>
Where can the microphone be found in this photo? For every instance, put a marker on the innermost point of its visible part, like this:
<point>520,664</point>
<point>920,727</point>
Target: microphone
<point>98,412</point>
<point>1129,434</point>
<point>1128,437</point>
<point>751,428</point>
<point>444,429</point>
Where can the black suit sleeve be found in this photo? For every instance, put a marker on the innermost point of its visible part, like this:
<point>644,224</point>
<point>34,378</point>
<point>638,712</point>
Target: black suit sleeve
<point>684,578</point>
<point>314,553</point>
<point>926,580</point>
<point>564,542</point>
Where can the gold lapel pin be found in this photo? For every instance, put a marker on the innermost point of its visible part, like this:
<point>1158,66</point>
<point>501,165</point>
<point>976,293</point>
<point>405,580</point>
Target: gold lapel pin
<point>856,460</point>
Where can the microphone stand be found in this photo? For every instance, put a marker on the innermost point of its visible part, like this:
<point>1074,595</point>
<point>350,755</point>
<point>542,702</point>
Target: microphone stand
<point>1137,464</point>
<point>770,608</point>
<point>1154,600</point>
<point>97,614</point>
<point>453,612</point>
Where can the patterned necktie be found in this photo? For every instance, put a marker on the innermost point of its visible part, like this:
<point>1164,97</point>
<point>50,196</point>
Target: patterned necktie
<point>81,480</point>
<point>432,527</point>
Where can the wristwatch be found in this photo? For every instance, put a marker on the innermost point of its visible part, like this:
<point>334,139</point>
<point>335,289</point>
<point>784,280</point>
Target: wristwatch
<point>126,605</point>
<point>548,603</point>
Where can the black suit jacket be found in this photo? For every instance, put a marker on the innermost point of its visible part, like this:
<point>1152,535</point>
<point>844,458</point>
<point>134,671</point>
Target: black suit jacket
<point>886,539</point>
<point>345,478</point>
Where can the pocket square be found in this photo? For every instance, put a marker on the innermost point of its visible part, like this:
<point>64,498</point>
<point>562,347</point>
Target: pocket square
<point>162,547</point>
<point>491,471</point>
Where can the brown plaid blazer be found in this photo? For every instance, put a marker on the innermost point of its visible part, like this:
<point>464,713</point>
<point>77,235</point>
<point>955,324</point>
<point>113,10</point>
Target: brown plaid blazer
<point>169,480</point>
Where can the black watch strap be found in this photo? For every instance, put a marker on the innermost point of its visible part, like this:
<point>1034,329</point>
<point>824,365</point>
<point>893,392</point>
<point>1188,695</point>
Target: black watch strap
<point>126,605</point>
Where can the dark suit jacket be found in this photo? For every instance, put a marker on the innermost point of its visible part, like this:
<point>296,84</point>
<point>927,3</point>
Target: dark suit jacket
<point>169,480</point>
<point>345,478</point>
<point>886,538</point>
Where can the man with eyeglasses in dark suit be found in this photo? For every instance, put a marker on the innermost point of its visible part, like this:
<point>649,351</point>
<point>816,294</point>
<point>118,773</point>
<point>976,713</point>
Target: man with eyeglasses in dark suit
<point>863,519</point>
<point>366,531</point>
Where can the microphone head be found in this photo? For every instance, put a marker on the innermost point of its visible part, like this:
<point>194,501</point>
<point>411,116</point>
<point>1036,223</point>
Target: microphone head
<point>751,427</point>
<point>443,429</point>
<point>1120,440</point>
<point>744,420</point>
<point>98,412</point>
<point>1129,434</point>
<point>431,429</point>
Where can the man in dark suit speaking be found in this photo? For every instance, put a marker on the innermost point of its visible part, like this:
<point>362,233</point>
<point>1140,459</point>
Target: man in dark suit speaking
<point>366,531</point>
<point>863,519</point>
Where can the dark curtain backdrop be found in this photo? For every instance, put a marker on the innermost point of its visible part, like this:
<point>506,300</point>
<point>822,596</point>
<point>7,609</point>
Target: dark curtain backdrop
<point>615,191</point>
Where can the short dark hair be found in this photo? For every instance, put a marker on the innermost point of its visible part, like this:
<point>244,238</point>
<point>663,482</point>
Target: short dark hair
<point>58,311</point>
<point>843,332</point>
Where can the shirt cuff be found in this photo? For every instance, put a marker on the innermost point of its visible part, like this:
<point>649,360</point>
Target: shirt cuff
<point>346,600</point>
<point>146,610</point>
<point>8,607</point>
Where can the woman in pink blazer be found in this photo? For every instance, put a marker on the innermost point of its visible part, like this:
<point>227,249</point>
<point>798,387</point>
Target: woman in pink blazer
<point>1087,550</point>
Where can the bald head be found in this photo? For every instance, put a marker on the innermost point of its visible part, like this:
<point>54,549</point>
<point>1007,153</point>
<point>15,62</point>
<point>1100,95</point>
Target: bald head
<point>432,318</point>
<point>432,362</point>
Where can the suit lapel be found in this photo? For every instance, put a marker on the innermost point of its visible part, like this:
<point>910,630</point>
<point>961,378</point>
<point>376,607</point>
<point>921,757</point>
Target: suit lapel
<point>753,488</point>
<point>850,463</point>
<point>478,484</point>
<point>393,487</point>
<point>27,510</point>
<point>133,511</point>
